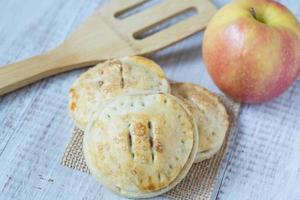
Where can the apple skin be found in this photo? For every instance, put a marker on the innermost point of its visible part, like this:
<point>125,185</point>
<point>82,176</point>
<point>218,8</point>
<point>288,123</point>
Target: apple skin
<point>251,49</point>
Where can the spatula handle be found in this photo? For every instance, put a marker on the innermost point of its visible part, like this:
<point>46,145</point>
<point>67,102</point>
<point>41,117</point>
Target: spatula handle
<point>17,75</point>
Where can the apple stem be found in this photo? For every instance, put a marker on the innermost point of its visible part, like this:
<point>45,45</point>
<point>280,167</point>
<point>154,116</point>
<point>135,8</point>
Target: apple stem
<point>253,12</point>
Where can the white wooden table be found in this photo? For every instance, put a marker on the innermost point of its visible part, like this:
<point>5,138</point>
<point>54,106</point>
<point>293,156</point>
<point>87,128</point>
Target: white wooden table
<point>263,161</point>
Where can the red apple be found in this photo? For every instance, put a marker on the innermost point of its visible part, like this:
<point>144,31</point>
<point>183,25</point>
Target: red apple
<point>251,49</point>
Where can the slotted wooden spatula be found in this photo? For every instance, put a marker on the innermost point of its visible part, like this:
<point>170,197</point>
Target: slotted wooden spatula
<point>104,36</point>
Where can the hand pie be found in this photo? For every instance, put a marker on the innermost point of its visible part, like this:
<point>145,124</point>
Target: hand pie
<point>141,145</point>
<point>110,79</point>
<point>210,115</point>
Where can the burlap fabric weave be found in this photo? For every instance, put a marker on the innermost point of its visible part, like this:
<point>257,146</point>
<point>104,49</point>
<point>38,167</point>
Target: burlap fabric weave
<point>201,179</point>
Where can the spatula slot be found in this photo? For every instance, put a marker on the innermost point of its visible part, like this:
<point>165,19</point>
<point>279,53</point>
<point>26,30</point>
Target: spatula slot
<point>143,5</point>
<point>165,23</point>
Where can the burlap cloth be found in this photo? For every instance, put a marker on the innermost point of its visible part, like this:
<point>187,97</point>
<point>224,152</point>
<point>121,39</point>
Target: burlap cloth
<point>201,179</point>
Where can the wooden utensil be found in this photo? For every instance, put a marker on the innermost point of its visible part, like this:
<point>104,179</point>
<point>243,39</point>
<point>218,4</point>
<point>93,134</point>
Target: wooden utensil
<point>104,36</point>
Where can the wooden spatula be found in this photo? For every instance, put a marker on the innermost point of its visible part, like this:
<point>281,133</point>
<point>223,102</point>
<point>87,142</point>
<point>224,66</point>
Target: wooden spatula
<point>104,36</point>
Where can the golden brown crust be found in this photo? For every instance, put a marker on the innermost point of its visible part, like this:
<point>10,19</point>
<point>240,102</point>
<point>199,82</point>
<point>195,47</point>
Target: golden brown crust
<point>112,78</point>
<point>210,115</point>
<point>141,145</point>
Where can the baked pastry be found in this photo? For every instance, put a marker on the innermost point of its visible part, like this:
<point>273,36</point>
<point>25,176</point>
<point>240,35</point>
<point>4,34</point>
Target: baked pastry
<point>110,79</point>
<point>141,145</point>
<point>210,115</point>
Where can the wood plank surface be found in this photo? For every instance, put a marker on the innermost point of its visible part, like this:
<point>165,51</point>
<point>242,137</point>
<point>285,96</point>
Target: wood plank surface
<point>263,162</point>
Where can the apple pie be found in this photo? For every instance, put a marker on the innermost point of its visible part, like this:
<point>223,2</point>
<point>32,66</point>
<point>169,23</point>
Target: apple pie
<point>141,145</point>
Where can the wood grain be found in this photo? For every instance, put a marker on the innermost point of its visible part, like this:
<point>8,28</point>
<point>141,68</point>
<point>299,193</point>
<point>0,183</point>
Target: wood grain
<point>264,158</point>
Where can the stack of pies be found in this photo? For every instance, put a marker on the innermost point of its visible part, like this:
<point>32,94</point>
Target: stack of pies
<point>143,133</point>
